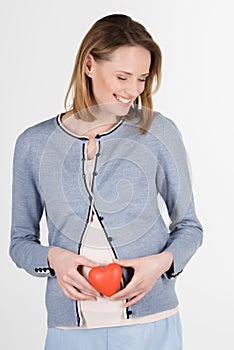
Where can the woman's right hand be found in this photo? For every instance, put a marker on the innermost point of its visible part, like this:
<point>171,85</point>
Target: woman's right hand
<point>73,284</point>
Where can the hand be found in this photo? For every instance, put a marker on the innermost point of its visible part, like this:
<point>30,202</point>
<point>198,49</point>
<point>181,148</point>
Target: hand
<point>147,270</point>
<point>72,283</point>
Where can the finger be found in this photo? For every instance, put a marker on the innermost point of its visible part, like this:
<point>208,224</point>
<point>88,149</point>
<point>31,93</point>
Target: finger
<point>128,292</point>
<point>125,262</point>
<point>81,283</point>
<point>134,300</point>
<point>85,285</point>
<point>72,293</point>
<point>87,262</point>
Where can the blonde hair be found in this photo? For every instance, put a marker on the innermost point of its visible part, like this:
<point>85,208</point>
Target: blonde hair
<point>105,36</point>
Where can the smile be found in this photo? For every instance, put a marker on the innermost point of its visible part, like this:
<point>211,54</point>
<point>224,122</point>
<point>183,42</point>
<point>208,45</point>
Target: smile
<point>123,100</point>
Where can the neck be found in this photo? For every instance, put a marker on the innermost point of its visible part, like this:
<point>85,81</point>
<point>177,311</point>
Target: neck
<point>87,128</point>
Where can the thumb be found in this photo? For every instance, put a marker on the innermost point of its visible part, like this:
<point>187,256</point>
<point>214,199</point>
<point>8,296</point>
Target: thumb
<point>87,262</point>
<point>124,262</point>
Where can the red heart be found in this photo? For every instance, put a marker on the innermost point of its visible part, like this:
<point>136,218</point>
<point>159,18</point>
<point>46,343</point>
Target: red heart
<point>106,279</point>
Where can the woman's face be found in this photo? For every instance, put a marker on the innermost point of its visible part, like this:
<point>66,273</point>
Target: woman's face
<point>118,82</point>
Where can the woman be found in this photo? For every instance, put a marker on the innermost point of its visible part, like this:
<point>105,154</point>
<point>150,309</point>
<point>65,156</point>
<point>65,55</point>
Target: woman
<point>97,170</point>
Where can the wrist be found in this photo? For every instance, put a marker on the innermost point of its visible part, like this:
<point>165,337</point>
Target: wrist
<point>51,252</point>
<point>167,260</point>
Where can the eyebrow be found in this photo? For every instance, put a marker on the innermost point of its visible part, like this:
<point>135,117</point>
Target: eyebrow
<point>128,73</point>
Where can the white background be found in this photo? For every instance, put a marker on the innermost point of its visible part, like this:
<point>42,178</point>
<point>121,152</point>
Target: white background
<point>39,42</point>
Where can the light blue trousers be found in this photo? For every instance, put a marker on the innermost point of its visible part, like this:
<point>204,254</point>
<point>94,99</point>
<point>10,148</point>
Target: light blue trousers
<point>165,334</point>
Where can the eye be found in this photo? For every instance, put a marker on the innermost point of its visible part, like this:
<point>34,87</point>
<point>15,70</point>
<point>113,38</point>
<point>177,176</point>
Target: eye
<point>121,78</point>
<point>142,80</point>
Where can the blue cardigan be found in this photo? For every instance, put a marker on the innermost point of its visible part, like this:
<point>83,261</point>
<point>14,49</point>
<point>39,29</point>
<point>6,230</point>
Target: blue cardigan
<point>130,171</point>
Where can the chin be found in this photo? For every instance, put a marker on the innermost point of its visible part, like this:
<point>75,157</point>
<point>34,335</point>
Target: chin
<point>120,110</point>
<point>113,108</point>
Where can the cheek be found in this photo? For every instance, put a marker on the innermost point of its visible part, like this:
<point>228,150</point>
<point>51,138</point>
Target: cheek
<point>105,85</point>
<point>97,84</point>
<point>98,81</point>
<point>111,85</point>
<point>141,89</point>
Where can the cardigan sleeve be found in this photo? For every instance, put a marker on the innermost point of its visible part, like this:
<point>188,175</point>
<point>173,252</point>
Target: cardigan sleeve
<point>27,209</point>
<point>174,185</point>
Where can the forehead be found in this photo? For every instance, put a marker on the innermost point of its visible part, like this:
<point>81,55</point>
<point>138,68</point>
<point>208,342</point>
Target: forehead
<point>129,58</point>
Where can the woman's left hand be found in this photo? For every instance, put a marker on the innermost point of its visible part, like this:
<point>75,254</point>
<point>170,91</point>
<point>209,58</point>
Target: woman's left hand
<point>147,270</point>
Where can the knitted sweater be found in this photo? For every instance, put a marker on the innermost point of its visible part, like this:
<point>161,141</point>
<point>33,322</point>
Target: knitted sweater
<point>130,171</point>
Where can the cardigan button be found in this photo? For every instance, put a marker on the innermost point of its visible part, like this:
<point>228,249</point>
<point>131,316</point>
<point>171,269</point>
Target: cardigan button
<point>95,173</point>
<point>52,272</point>
<point>129,312</point>
<point>97,136</point>
<point>101,218</point>
<point>110,239</point>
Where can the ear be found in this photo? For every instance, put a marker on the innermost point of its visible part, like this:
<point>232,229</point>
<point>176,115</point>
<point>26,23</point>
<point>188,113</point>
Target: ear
<point>89,65</point>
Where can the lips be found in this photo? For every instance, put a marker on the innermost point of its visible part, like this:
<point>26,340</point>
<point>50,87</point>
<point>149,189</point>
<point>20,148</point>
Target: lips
<point>123,100</point>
